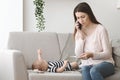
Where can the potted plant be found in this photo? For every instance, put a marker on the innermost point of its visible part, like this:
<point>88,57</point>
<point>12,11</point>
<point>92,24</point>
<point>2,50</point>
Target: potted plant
<point>39,14</point>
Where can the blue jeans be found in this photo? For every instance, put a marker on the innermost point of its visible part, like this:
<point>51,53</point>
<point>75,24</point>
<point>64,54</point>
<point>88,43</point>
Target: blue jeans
<point>97,72</point>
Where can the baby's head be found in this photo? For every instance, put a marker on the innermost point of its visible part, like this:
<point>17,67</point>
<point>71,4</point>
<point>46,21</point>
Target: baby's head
<point>40,65</point>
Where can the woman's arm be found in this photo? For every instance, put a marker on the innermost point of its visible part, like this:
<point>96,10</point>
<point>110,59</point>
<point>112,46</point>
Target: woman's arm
<point>79,44</point>
<point>106,46</point>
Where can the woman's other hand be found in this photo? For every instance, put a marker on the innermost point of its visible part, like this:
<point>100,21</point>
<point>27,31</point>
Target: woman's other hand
<point>86,55</point>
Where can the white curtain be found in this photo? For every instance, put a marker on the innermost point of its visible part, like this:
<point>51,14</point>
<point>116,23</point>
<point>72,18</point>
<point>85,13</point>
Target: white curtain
<point>11,19</point>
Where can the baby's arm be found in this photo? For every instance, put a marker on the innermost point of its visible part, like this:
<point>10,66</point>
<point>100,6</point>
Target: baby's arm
<point>61,69</point>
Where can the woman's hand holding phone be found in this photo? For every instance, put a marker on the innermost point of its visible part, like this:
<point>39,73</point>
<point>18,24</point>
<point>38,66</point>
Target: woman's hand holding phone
<point>78,26</point>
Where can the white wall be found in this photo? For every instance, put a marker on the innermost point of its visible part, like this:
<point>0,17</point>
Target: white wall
<point>107,13</point>
<point>59,15</point>
<point>11,18</point>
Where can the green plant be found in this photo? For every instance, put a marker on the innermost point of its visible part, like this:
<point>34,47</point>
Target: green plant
<point>39,14</point>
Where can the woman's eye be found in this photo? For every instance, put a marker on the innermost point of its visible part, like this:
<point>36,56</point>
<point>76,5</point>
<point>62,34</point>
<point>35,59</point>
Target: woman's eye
<point>78,17</point>
<point>82,16</point>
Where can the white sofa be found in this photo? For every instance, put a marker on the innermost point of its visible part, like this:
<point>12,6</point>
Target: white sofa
<point>16,61</point>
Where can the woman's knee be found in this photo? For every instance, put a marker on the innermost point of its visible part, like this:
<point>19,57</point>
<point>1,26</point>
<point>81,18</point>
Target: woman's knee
<point>104,69</point>
<point>93,70</point>
<point>85,68</point>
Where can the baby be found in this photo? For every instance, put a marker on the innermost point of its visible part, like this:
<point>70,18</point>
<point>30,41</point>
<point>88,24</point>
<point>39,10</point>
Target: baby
<point>53,66</point>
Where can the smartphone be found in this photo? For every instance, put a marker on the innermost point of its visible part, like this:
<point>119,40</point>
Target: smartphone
<point>80,27</point>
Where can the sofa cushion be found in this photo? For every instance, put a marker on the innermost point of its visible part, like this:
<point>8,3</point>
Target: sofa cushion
<point>115,76</point>
<point>117,60</point>
<point>29,42</point>
<point>66,75</point>
<point>66,42</point>
<point>116,52</point>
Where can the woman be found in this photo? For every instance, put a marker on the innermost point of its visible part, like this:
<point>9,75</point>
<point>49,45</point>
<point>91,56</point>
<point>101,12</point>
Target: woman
<point>92,45</point>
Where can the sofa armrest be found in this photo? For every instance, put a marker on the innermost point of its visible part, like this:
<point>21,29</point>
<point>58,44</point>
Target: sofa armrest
<point>12,65</point>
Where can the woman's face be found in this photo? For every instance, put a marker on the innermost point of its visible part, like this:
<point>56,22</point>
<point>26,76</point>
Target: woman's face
<point>83,18</point>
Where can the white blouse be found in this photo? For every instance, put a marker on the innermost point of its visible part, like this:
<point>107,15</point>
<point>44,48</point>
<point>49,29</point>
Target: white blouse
<point>97,43</point>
